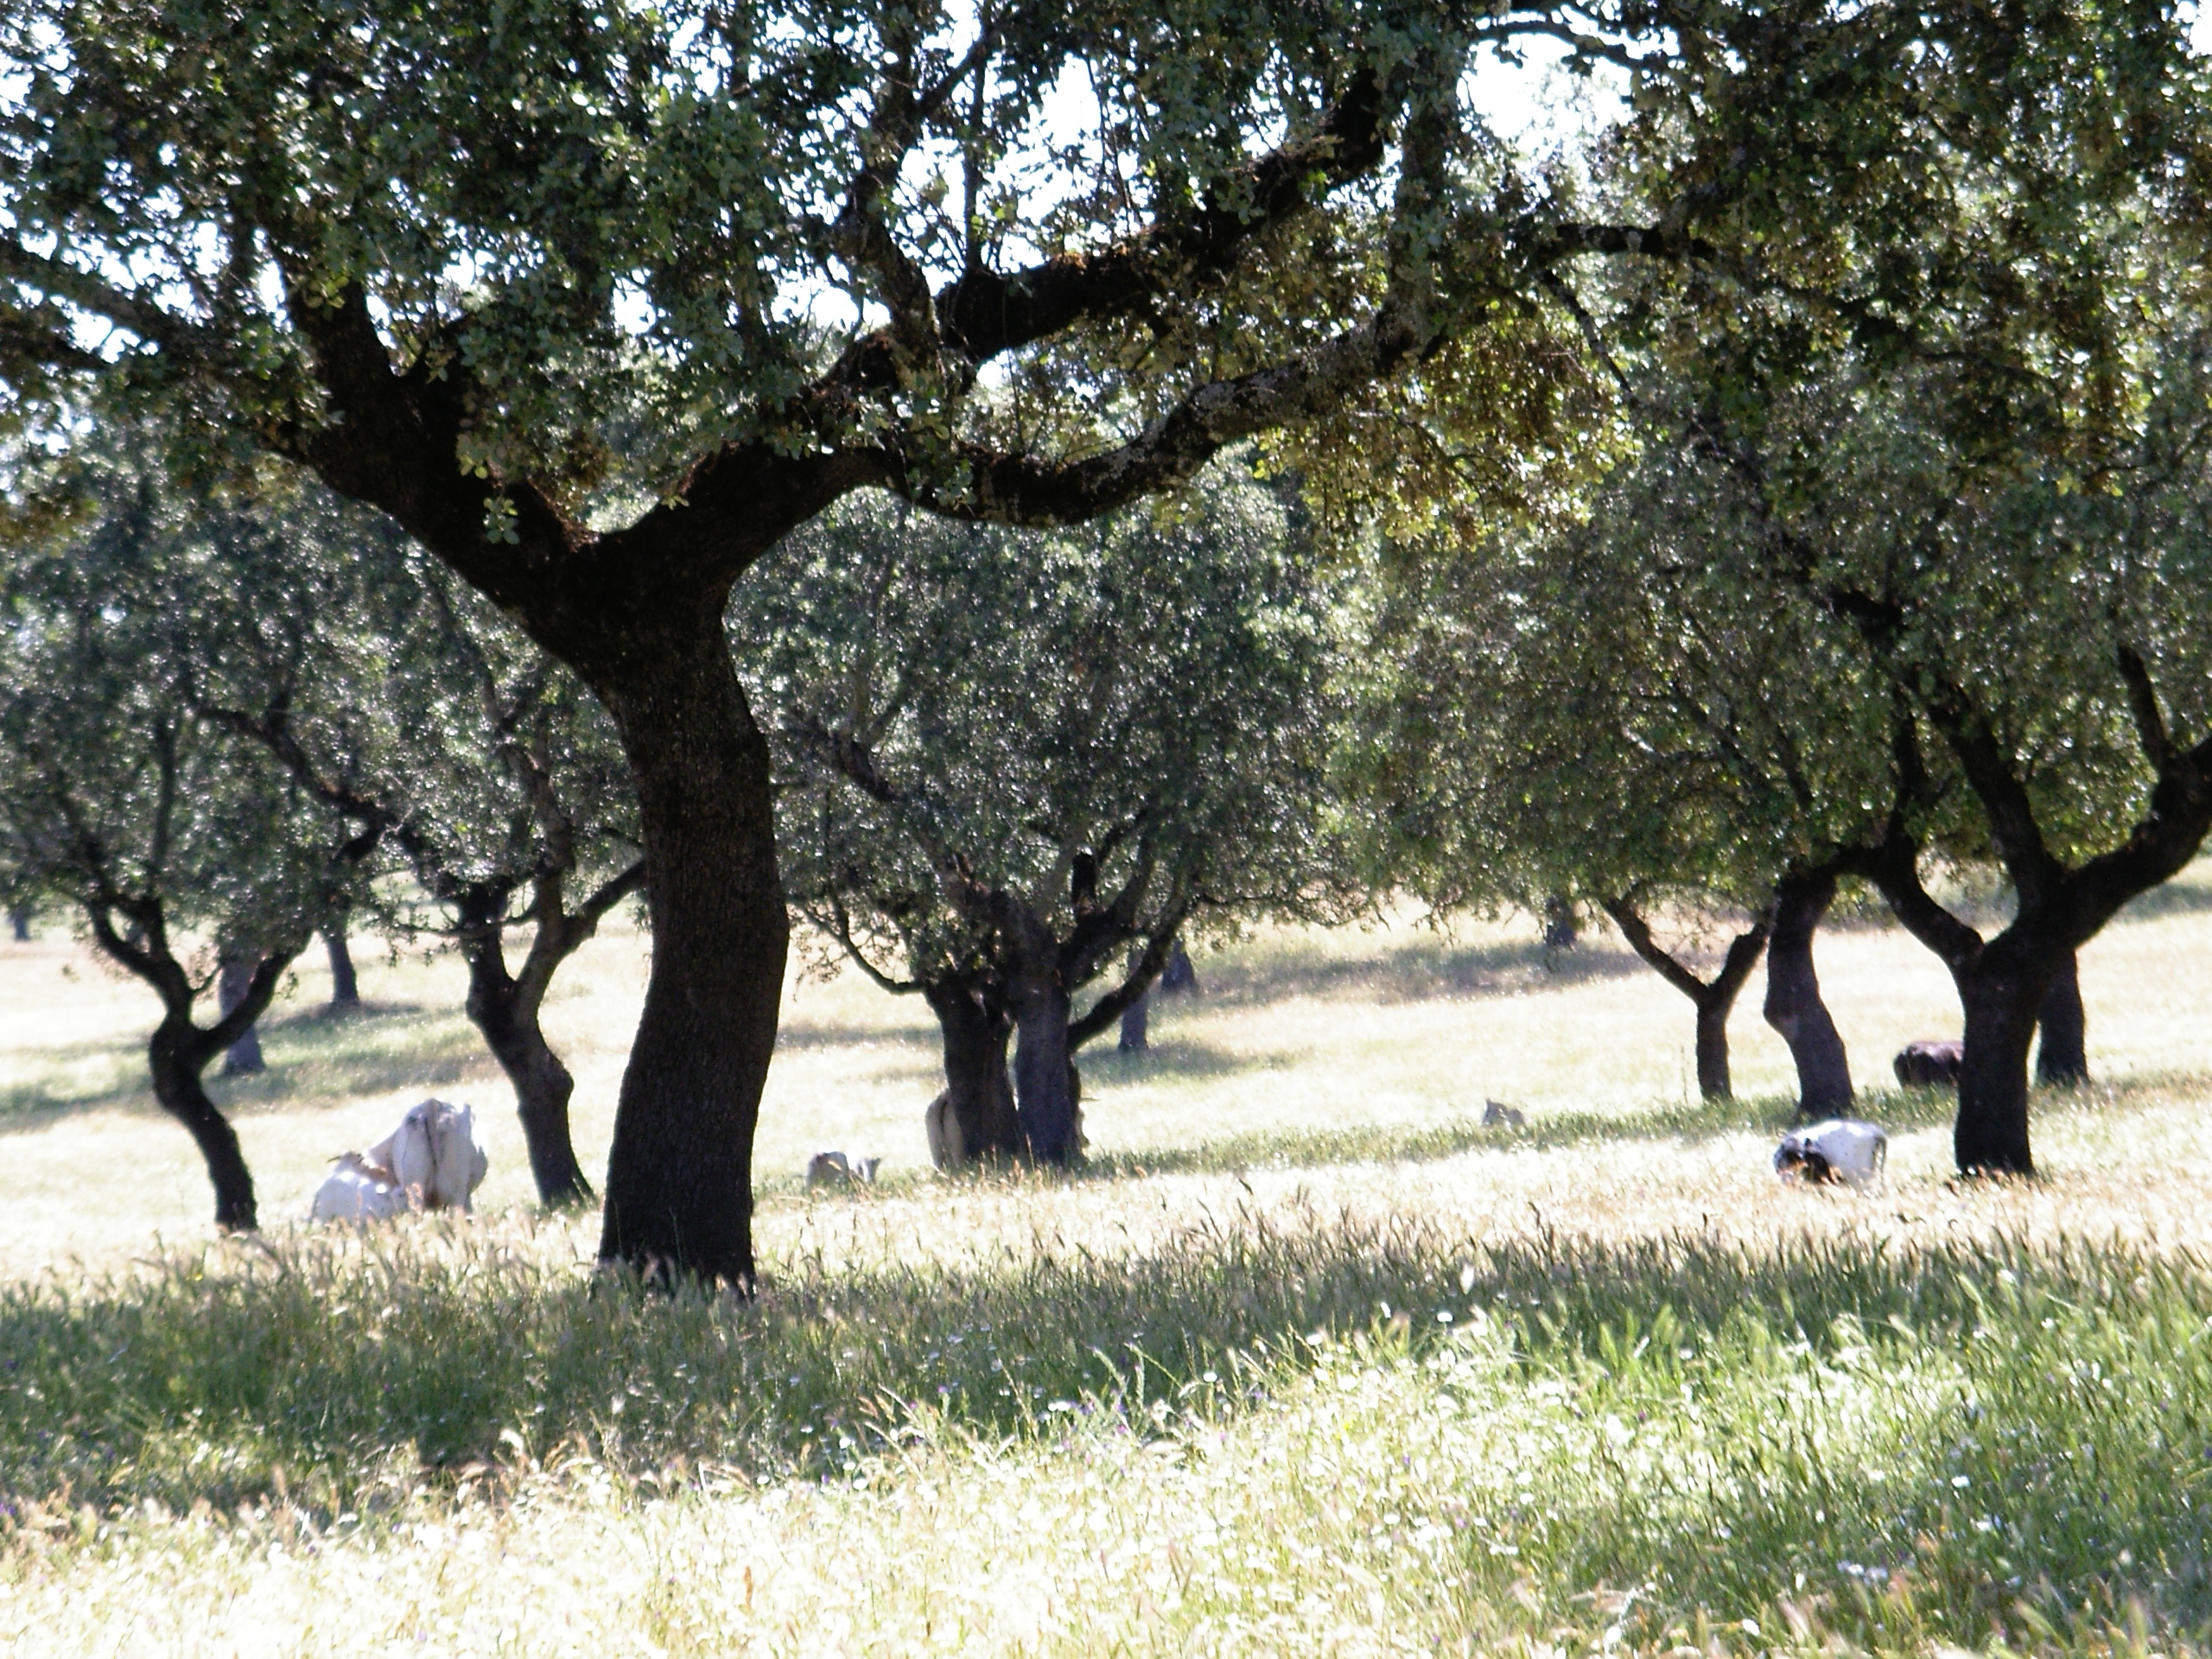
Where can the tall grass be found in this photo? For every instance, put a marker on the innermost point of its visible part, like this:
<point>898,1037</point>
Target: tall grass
<point>1645,1441</point>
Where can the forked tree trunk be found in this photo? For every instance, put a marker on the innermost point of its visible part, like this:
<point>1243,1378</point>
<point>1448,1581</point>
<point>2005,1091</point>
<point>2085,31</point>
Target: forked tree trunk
<point>177,1055</point>
<point>679,1193</point>
<point>975,1038</point>
<point>2002,991</point>
<point>1713,999</point>
<point>542,1084</point>
<point>1794,1005</point>
<point>345,985</point>
<point>244,1056</point>
<point>2062,1055</point>
<point>1716,1003</point>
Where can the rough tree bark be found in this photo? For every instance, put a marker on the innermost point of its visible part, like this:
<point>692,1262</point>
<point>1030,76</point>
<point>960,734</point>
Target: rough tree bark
<point>1713,999</point>
<point>2062,1056</point>
<point>233,975</point>
<point>679,1195</point>
<point>976,1028</point>
<point>345,984</point>
<point>1794,1005</point>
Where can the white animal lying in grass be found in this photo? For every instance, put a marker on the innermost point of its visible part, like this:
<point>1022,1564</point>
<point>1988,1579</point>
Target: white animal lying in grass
<point>433,1149</point>
<point>357,1192</point>
<point>832,1168</point>
<point>1843,1148</point>
<point>430,1160</point>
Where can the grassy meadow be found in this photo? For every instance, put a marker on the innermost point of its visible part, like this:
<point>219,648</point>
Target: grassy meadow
<point>1306,1362</point>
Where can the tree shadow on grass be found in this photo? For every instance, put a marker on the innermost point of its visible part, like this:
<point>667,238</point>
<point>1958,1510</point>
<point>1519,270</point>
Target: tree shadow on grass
<point>347,1375</point>
<point>1411,964</point>
<point>1895,1109</point>
<point>313,1057</point>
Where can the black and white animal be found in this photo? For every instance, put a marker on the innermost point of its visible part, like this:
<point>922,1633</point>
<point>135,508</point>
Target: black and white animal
<point>1841,1149</point>
<point>840,1169</point>
<point>1919,1064</point>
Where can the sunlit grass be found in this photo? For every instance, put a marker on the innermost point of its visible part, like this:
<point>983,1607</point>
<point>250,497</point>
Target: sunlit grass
<point>1308,1361</point>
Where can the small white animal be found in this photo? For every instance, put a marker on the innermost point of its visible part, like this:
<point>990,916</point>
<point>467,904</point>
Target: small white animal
<point>1843,1148</point>
<point>829,1168</point>
<point>433,1150</point>
<point>948,1147</point>
<point>357,1190</point>
<point>1497,1115</point>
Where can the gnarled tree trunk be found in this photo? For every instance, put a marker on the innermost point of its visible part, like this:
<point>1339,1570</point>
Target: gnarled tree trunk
<point>1794,1005</point>
<point>178,1053</point>
<point>2061,1055</point>
<point>508,1019</point>
<point>678,1178</point>
<point>976,1032</point>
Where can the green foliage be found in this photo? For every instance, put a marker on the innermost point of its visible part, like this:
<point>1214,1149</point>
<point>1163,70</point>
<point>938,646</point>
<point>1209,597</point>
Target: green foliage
<point>1144,707</point>
<point>116,793</point>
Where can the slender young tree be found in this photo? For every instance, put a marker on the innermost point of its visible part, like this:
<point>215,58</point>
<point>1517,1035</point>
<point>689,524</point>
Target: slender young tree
<point>1016,763</point>
<point>439,254</point>
<point>184,849</point>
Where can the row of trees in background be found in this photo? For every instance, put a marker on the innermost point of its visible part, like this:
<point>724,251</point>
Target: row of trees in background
<point>600,304</point>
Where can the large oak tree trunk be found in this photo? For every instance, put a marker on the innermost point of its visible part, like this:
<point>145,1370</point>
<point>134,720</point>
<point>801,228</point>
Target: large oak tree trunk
<point>242,1058</point>
<point>678,1194</point>
<point>976,1039</point>
<point>1712,1081</point>
<point>1794,1005</point>
<point>2061,1055</point>
<point>177,1055</point>
<point>2002,991</point>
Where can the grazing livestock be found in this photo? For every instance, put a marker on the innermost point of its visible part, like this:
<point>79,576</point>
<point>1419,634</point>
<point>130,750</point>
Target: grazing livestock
<point>948,1147</point>
<point>433,1151</point>
<point>1919,1064</point>
<point>1841,1149</point>
<point>1497,1115</point>
<point>837,1169</point>
<point>358,1191</point>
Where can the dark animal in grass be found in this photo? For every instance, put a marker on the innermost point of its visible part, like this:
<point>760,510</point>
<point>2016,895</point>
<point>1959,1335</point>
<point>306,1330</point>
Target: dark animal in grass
<point>1841,1149</point>
<point>1497,1115</point>
<point>841,1169</point>
<point>1919,1066</point>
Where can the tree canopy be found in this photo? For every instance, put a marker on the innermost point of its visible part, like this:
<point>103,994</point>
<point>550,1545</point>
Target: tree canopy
<point>1007,757</point>
<point>599,302</point>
